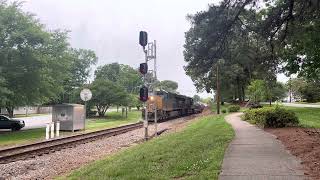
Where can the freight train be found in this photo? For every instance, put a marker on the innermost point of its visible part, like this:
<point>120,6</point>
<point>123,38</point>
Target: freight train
<point>170,105</point>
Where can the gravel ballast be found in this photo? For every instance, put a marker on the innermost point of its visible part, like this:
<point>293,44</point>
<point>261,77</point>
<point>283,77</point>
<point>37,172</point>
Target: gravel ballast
<point>60,162</point>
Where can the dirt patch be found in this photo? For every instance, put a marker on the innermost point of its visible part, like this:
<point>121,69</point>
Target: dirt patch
<point>303,143</point>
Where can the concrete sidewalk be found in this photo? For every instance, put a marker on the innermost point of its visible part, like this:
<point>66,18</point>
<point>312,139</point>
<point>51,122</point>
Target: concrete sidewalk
<point>256,155</point>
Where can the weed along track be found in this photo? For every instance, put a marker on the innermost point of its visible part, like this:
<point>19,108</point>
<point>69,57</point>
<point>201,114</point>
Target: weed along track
<point>45,147</point>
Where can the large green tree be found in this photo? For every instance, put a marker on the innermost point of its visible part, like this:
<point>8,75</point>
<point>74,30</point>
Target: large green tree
<point>36,65</point>
<point>246,55</point>
<point>255,41</point>
<point>27,65</point>
<point>105,94</point>
<point>168,85</point>
<point>304,89</point>
<point>81,61</point>
<point>124,76</point>
<point>275,92</point>
<point>257,90</point>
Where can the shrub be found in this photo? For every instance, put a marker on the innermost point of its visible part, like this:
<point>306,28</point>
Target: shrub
<point>234,108</point>
<point>271,117</point>
<point>224,111</point>
<point>255,106</point>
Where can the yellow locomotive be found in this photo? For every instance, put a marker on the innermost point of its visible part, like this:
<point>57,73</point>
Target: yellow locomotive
<point>168,105</point>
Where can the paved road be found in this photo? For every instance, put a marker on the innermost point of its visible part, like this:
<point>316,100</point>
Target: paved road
<point>256,154</point>
<point>41,121</point>
<point>36,121</point>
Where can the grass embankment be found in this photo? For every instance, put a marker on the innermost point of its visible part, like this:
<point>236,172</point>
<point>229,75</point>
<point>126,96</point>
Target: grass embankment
<point>195,153</point>
<point>112,119</point>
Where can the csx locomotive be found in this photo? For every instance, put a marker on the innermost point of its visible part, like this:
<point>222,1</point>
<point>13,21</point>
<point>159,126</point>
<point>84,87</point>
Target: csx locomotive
<point>169,105</point>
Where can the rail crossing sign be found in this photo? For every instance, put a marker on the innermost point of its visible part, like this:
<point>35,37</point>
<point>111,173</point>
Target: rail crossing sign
<point>86,94</point>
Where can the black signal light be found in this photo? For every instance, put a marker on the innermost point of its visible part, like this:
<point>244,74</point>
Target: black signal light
<point>143,94</point>
<point>143,38</point>
<point>143,68</point>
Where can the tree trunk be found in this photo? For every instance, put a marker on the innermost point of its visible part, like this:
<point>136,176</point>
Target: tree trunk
<point>122,111</point>
<point>235,92</point>
<point>138,107</point>
<point>238,89</point>
<point>126,112</point>
<point>243,94</point>
<point>117,108</point>
<point>10,111</point>
<point>270,101</point>
<point>101,111</point>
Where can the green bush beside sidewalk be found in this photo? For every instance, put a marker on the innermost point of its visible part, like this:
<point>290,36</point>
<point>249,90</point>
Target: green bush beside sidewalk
<point>276,117</point>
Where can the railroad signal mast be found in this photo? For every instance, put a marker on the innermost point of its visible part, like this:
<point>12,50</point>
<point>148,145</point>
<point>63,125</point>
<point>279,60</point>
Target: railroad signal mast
<point>150,54</point>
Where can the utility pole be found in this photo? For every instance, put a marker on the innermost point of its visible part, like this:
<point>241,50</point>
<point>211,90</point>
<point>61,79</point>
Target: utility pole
<point>219,62</point>
<point>290,90</point>
<point>218,90</point>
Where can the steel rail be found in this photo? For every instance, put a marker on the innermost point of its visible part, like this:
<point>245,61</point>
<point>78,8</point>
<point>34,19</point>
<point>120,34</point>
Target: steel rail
<point>45,147</point>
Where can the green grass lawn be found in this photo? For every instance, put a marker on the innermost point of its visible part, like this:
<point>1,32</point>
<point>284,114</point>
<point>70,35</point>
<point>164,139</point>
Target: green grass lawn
<point>309,117</point>
<point>21,137</point>
<point>195,153</point>
<point>317,103</point>
<point>29,115</point>
<point>112,119</point>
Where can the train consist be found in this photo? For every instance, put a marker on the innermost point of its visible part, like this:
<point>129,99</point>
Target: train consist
<point>170,105</point>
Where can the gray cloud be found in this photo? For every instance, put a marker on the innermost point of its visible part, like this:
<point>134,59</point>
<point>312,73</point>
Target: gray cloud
<point>111,28</point>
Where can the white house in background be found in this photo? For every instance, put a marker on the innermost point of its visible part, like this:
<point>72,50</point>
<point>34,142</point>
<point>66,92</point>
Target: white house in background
<point>29,110</point>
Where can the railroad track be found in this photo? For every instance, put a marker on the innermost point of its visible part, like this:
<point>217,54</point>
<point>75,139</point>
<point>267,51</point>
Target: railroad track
<point>45,147</point>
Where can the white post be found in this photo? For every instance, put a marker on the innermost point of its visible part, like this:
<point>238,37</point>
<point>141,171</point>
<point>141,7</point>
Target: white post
<point>52,130</point>
<point>145,123</point>
<point>154,90</point>
<point>85,115</point>
<point>57,128</point>
<point>155,120</point>
<point>47,131</point>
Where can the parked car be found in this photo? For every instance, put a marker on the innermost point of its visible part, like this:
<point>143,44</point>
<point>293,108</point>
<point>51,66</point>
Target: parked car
<point>13,124</point>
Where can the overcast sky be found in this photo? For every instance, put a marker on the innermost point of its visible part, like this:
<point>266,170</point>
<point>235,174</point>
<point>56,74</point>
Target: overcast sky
<point>111,28</point>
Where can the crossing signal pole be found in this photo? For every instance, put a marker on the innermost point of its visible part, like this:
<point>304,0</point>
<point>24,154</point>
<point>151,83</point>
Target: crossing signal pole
<point>150,54</point>
<point>143,41</point>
